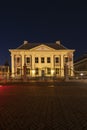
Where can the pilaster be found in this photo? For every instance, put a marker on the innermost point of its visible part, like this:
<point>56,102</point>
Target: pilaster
<point>12,64</point>
<point>62,65</point>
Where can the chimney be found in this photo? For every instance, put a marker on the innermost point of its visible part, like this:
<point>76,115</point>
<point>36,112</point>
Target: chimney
<point>25,42</point>
<point>58,42</point>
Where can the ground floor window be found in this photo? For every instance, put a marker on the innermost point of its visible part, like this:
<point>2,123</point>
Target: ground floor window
<point>18,71</point>
<point>28,71</point>
<point>48,70</point>
<point>57,71</point>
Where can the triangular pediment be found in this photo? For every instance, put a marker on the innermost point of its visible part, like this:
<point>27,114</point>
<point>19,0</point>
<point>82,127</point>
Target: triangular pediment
<point>42,47</point>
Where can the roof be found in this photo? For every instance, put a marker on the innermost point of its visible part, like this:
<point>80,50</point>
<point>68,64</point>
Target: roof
<point>27,45</point>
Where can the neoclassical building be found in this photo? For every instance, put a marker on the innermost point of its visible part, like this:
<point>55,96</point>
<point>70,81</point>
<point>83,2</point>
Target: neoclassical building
<point>41,59</point>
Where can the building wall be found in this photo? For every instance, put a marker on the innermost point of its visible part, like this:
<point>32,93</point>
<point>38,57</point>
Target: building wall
<point>4,72</point>
<point>19,59</point>
<point>81,66</point>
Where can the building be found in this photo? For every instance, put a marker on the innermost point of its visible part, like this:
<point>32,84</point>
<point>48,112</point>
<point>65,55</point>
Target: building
<point>4,72</point>
<point>80,65</point>
<point>41,60</point>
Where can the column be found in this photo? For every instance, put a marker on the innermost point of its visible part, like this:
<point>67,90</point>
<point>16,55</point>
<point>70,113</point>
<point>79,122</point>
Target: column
<point>12,65</point>
<point>62,65</point>
<point>33,62</point>
<point>52,62</point>
<point>33,66</point>
<point>22,63</point>
<point>72,69</point>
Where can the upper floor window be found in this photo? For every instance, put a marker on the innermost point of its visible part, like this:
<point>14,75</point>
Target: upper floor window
<point>36,60</point>
<point>66,59</point>
<point>28,60</point>
<point>56,59</point>
<point>18,59</point>
<point>42,60</point>
<point>48,60</point>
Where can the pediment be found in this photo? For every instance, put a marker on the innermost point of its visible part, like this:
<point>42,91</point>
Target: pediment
<point>42,48</point>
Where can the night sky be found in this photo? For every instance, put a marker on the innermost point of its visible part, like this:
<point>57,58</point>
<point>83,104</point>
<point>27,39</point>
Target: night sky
<point>43,21</point>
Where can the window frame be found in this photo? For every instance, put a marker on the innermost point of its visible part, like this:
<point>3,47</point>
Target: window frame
<point>48,60</point>
<point>57,60</point>
<point>28,60</point>
<point>42,59</point>
<point>36,60</point>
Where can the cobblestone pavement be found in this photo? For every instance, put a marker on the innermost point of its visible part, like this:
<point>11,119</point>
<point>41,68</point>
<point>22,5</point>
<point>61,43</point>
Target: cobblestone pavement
<point>54,106</point>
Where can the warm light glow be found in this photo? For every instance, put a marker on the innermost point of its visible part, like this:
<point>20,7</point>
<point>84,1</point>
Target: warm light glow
<point>81,74</point>
<point>52,72</point>
<point>33,72</point>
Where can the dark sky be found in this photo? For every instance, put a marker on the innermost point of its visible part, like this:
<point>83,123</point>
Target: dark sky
<point>43,21</point>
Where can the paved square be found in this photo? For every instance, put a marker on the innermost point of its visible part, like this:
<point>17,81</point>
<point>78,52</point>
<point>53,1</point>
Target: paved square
<point>43,106</point>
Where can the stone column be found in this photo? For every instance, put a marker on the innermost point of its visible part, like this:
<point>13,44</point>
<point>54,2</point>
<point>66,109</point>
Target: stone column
<point>33,66</point>
<point>72,67</point>
<point>12,65</point>
<point>62,65</point>
<point>52,61</point>
<point>22,63</point>
<point>33,61</point>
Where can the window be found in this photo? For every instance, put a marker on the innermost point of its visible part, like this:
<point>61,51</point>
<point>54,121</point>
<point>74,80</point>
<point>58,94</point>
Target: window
<point>18,59</point>
<point>36,60</point>
<point>48,70</point>
<point>18,71</point>
<point>57,60</point>
<point>48,60</point>
<point>28,59</point>
<point>28,71</point>
<point>66,59</point>
<point>42,60</point>
<point>57,70</point>
<point>36,71</point>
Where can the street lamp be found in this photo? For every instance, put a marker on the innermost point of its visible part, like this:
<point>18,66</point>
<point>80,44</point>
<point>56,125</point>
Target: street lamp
<point>33,72</point>
<point>81,74</point>
<point>52,72</point>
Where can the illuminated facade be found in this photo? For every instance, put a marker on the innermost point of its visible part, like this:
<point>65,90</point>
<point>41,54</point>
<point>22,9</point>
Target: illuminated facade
<point>41,59</point>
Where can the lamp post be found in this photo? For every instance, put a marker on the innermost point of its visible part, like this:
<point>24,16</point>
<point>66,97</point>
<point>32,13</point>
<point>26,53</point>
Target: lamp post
<point>33,73</point>
<point>52,73</point>
<point>81,74</point>
<point>66,72</point>
<point>24,68</point>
